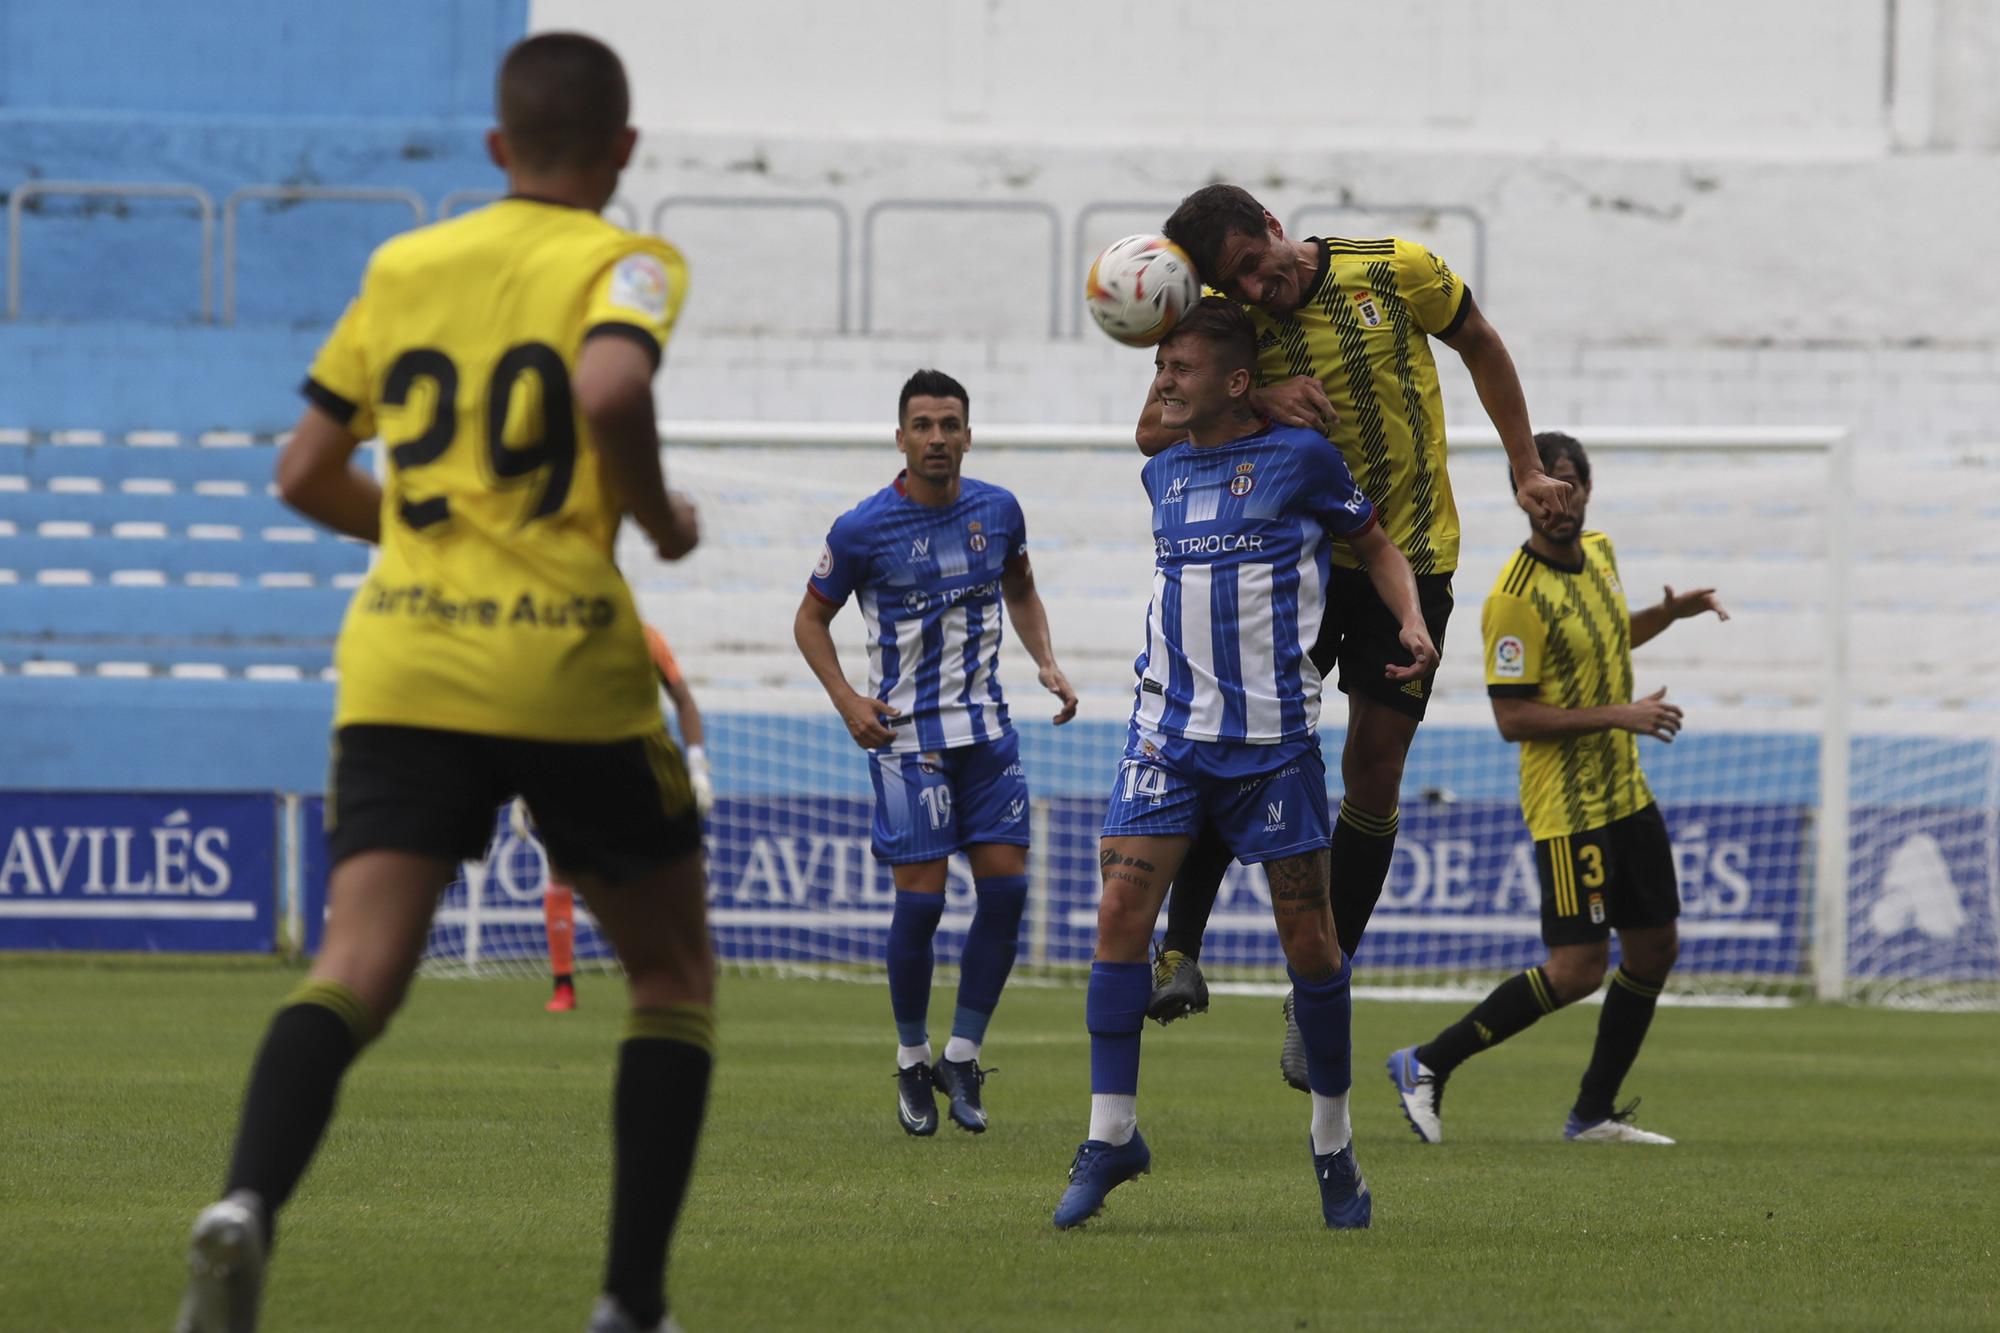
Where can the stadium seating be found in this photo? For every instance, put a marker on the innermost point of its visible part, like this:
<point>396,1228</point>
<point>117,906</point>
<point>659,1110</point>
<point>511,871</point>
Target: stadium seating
<point>158,554</point>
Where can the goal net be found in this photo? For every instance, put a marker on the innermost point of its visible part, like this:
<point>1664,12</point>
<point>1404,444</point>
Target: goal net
<point>1832,800</point>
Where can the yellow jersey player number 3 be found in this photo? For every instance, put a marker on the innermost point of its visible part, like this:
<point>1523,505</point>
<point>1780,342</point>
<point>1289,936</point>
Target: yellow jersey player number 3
<point>505,359</point>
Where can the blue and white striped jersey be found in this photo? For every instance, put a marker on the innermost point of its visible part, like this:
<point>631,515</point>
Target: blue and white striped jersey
<point>928,581</point>
<point>1242,537</point>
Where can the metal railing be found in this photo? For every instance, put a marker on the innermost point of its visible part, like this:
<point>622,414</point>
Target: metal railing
<point>843,227</point>
<point>17,202</point>
<point>299,194</point>
<point>626,214</point>
<point>1035,206</point>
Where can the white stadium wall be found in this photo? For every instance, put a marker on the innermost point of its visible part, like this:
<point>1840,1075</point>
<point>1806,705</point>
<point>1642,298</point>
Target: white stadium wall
<point>1717,212</point>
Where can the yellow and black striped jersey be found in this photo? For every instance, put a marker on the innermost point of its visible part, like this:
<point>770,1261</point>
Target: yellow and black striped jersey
<point>495,606</point>
<point>1363,331</point>
<point>1564,637</point>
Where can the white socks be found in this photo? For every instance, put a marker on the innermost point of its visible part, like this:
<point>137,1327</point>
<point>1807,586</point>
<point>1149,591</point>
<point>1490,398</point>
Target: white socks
<point>913,1055</point>
<point>1114,1117</point>
<point>960,1049</point>
<point>1331,1131</point>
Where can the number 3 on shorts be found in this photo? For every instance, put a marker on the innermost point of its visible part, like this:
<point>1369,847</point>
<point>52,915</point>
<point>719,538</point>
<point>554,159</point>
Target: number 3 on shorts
<point>1591,858</point>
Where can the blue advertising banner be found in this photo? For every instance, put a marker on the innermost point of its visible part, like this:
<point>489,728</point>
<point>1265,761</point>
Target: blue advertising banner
<point>1922,888</point>
<point>181,873</point>
<point>792,880</point>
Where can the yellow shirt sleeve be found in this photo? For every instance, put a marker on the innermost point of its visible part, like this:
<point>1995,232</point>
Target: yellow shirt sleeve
<point>338,382</point>
<point>1515,644</point>
<point>639,295</point>
<point>1434,294</point>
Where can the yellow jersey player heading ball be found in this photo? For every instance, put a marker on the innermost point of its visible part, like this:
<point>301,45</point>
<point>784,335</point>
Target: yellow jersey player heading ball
<point>506,360</point>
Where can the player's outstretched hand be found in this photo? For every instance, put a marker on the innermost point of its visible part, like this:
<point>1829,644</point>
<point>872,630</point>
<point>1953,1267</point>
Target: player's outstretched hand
<point>1693,602</point>
<point>683,531</point>
<point>1416,641</point>
<point>1057,684</point>
<point>867,720</point>
<point>1653,716</point>
<point>1543,497</point>
<point>1299,401</point>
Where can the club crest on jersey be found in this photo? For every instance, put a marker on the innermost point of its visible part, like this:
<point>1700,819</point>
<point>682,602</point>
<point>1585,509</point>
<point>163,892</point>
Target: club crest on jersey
<point>1364,306</point>
<point>1241,484</point>
<point>929,761</point>
<point>1510,657</point>
<point>1596,909</point>
<point>977,541</point>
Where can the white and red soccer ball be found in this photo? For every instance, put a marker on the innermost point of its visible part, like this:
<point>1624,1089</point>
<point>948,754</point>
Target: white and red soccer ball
<point>1139,287</point>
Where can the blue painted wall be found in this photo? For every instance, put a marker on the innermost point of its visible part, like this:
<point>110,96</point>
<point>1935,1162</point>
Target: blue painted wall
<point>225,94</point>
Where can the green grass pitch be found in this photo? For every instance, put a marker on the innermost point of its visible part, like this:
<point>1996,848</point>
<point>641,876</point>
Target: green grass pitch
<point>1837,1168</point>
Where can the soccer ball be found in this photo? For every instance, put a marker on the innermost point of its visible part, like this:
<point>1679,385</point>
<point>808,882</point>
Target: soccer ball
<point>1139,287</point>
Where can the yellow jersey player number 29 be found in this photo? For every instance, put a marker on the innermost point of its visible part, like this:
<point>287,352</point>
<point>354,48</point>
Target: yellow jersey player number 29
<point>505,359</point>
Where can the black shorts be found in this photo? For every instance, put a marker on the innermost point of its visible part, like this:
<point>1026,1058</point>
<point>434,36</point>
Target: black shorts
<point>1360,636</point>
<point>616,810</point>
<point>1619,876</point>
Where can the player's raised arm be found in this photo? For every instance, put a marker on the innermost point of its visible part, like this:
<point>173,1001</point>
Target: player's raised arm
<point>812,630</point>
<point>614,391</point>
<point>1031,623</point>
<point>1651,621</point>
<point>1487,360</point>
<point>316,476</point>
<point>1299,401</point>
<point>1390,572</point>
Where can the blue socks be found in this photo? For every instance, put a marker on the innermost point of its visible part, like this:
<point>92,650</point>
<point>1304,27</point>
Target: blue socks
<point>1114,1009</point>
<point>910,930</point>
<point>1325,1010</point>
<point>991,943</point>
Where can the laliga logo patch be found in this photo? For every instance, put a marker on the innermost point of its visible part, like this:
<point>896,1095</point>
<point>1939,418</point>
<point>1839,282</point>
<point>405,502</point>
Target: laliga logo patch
<point>1510,657</point>
<point>640,283</point>
<point>825,565</point>
<point>1364,305</point>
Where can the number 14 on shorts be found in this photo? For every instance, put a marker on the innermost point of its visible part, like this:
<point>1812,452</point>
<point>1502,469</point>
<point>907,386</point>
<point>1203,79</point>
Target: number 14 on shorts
<point>1143,779</point>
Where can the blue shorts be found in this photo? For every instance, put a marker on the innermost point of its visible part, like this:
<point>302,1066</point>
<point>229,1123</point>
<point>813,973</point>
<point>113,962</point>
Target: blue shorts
<point>1267,801</point>
<point>929,805</point>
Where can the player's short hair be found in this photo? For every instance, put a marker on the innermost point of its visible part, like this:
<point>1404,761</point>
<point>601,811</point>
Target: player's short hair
<point>1205,219</point>
<point>562,99</point>
<point>1223,325</point>
<point>1553,446</point>
<point>929,383</point>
